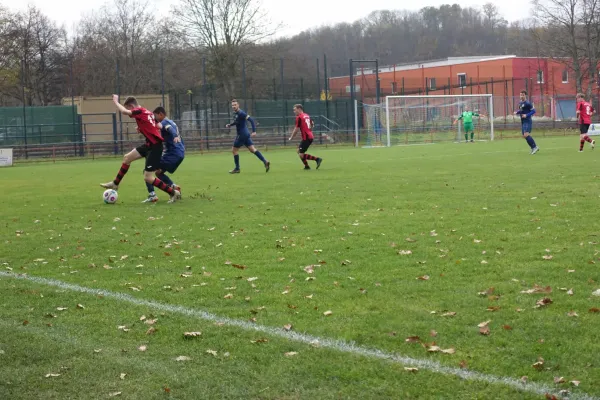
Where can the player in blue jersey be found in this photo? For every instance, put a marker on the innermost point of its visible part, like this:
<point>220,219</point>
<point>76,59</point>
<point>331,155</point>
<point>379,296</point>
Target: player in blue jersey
<point>244,137</point>
<point>526,111</point>
<point>173,155</point>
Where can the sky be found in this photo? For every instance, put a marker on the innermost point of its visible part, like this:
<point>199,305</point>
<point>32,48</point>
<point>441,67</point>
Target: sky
<point>296,17</point>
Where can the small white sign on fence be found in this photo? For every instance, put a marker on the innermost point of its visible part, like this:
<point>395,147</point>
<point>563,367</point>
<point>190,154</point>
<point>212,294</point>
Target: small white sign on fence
<point>6,157</point>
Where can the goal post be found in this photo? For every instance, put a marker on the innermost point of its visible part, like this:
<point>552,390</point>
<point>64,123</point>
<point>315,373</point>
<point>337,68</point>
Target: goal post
<point>421,119</point>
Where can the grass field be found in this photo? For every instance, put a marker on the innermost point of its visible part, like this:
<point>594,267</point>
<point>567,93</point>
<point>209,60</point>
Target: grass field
<point>428,241</point>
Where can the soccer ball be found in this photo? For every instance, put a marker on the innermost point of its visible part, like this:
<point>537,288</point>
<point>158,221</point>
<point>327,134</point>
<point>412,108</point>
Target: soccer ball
<point>110,196</point>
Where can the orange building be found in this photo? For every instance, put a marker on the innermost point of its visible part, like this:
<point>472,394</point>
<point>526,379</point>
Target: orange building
<point>501,76</point>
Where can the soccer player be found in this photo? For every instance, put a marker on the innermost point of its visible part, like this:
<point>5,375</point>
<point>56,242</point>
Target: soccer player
<point>151,150</point>
<point>304,124</point>
<point>584,116</point>
<point>172,156</point>
<point>467,118</point>
<point>243,138</point>
<point>526,111</point>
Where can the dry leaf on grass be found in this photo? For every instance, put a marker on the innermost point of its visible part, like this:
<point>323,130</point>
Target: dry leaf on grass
<point>493,308</point>
<point>547,257</point>
<point>405,252</point>
<point>122,376</point>
<point>52,375</point>
<point>423,278</point>
<point>575,383</point>
<point>484,324</point>
<point>539,364</point>
<point>189,335</point>
<point>559,379</point>
<point>61,308</point>
<point>239,266</point>
<point>183,358</point>
<point>328,313</point>
<point>228,296</point>
<point>151,331</point>
<point>449,314</point>
<point>594,310</point>
<point>487,292</point>
<point>290,353</point>
<point>80,306</point>
<point>433,333</point>
<point>484,330</point>
<point>543,302</point>
<point>287,327</point>
<point>413,339</point>
<point>538,289</point>
<point>211,352</point>
<point>411,369</point>
<point>572,314</point>
<point>114,394</point>
<point>261,340</point>
<point>143,348</point>
<point>507,327</point>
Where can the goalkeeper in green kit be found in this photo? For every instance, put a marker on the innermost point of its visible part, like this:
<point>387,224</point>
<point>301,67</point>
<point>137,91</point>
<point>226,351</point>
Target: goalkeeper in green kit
<point>467,118</point>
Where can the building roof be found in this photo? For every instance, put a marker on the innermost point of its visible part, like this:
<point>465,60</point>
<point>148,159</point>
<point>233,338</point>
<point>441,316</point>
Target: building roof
<point>434,63</point>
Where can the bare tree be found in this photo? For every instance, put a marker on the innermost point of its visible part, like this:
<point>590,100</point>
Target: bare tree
<point>559,25</point>
<point>222,29</point>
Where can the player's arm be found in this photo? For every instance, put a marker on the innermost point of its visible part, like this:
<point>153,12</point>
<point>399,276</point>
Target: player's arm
<point>120,107</point>
<point>173,132</point>
<point>530,113</point>
<point>294,132</point>
<point>457,119</point>
<point>252,123</point>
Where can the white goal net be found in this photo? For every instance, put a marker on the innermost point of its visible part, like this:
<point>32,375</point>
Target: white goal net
<point>425,119</point>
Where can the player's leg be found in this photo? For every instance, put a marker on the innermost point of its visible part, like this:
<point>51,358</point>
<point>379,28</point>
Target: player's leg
<point>302,147</point>
<point>152,198</point>
<point>311,157</point>
<point>250,145</point>
<point>128,158</point>
<point>235,150</point>
<point>584,137</point>
<point>526,130</point>
<point>152,165</point>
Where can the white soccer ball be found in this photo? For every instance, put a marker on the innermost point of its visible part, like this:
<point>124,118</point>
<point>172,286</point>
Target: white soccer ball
<point>110,196</point>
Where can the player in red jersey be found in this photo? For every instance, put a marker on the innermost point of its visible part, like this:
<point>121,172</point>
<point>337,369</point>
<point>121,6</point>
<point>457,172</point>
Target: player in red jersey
<point>584,116</point>
<point>305,125</point>
<point>151,150</point>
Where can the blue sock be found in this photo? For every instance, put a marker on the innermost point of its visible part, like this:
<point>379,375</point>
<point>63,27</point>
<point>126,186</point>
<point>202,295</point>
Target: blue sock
<point>236,158</point>
<point>165,179</point>
<point>150,187</point>
<point>530,141</point>
<point>260,156</point>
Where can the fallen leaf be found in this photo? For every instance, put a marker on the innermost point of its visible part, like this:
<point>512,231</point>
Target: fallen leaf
<point>61,308</point>
<point>114,394</point>
<point>328,313</point>
<point>290,353</point>
<point>463,364</point>
<point>211,352</point>
<point>543,302</point>
<point>433,333</point>
<point>228,296</point>
<point>548,257</point>
<point>405,252</point>
<point>423,278</point>
<point>507,327</point>
<point>25,322</point>
<point>150,321</point>
<point>413,339</point>
<point>595,310</point>
<point>409,240</point>
<point>570,292</point>
<point>151,331</point>
<point>346,262</point>
<point>485,330</point>
<point>493,308</point>
<point>539,364</point>
<point>484,324</point>
<point>449,351</point>
<point>433,349</point>
<point>252,279</point>
<point>487,292</point>
<point>310,296</point>
<point>575,383</point>
<point>411,369</point>
<point>52,375</point>
<point>80,306</point>
<point>122,376</point>
<point>143,348</point>
<point>239,266</point>
<point>287,327</point>
<point>559,380</point>
<point>261,340</point>
<point>596,293</point>
<point>188,335</point>
<point>183,358</point>
<point>449,314</point>
<point>538,289</point>
<point>572,314</point>
<point>143,318</point>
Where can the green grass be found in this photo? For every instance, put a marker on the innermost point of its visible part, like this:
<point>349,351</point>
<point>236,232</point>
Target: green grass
<point>494,209</point>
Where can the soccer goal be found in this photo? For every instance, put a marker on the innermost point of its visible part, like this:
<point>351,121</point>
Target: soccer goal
<point>423,119</point>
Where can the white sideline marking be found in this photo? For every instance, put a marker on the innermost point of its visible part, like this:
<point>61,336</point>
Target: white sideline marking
<point>333,344</point>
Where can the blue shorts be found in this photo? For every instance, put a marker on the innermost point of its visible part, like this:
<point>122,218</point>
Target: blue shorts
<point>526,127</point>
<point>170,162</point>
<point>243,141</point>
